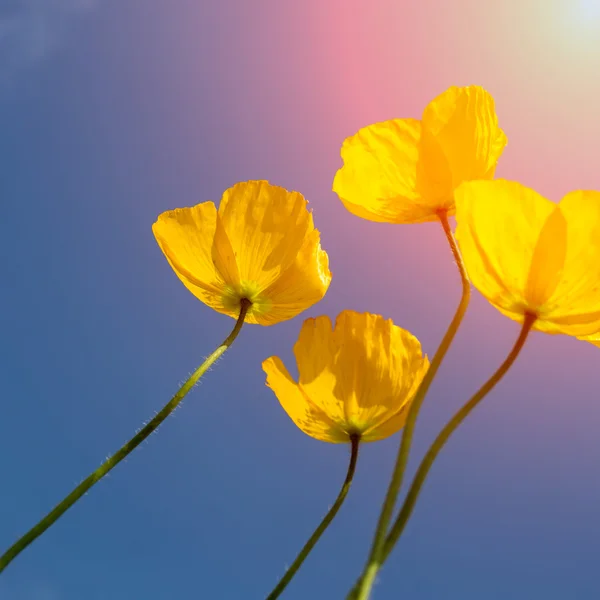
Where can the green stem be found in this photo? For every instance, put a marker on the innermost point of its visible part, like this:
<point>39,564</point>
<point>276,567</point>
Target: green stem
<point>116,458</point>
<point>444,436</point>
<point>362,588</point>
<point>314,538</point>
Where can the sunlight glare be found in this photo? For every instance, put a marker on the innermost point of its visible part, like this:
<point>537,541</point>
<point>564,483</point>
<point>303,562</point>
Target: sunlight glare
<point>590,8</point>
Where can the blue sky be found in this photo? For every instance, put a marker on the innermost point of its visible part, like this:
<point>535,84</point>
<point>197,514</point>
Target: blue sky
<point>112,112</point>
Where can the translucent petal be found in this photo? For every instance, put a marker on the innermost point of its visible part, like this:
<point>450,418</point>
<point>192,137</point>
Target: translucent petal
<point>316,351</point>
<point>305,414</point>
<point>266,227</point>
<point>574,307</point>
<point>498,226</point>
<point>378,181</point>
<point>461,140</point>
<point>434,177</point>
<point>301,285</point>
<point>224,257</point>
<point>547,263</point>
<point>185,235</point>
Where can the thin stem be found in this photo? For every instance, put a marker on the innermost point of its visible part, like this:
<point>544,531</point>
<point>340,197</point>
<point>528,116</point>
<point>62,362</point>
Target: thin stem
<point>116,458</point>
<point>314,538</point>
<point>445,434</point>
<point>362,588</point>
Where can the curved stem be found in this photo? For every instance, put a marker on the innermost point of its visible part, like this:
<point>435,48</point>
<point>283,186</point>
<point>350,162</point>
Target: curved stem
<point>362,588</point>
<point>116,458</point>
<point>314,538</point>
<point>445,434</point>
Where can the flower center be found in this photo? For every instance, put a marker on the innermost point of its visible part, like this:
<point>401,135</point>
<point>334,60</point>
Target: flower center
<point>249,290</point>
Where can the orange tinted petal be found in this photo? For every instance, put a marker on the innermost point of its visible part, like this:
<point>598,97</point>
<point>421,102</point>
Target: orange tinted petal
<point>224,257</point>
<point>461,140</point>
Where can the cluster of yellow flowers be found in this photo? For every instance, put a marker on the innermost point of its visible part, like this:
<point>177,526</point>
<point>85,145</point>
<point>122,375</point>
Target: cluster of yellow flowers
<point>536,261</point>
<point>525,254</point>
<point>258,259</point>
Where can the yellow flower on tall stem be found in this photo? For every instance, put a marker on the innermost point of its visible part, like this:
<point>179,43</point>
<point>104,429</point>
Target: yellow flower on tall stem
<point>260,245</point>
<point>538,263</point>
<point>257,259</point>
<point>356,378</point>
<point>406,171</point>
<point>530,256</point>
<point>355,384</point>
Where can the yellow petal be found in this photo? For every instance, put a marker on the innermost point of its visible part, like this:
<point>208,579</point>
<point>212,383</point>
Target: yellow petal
<point>434,177</point>
<point>185,235</point>
<point>266,227</point>
<point>224,257</point>
<point>301,285</point>
<point>406,171</point>
<point>362,374</point>
<point>574,307</point>
<point>592,339</point>
<point>461,141</point>
<point>378,181</point>
<point>498,227</point>
<point>547,263</point>
<point>384,365</point>
<point>316,351</point>
<point>306,415</point>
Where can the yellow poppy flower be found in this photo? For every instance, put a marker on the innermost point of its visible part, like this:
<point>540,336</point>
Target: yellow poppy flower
<point>357,379</point>
<point>260,245</point>
<point>526,254</point>
<point>406,171</point>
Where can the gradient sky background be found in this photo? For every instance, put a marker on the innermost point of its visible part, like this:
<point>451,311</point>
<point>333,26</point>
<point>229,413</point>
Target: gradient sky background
<point>112,111</point>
